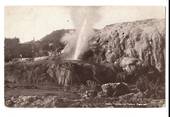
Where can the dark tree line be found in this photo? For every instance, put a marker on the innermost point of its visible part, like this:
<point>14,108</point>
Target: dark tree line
<point>50,42</point>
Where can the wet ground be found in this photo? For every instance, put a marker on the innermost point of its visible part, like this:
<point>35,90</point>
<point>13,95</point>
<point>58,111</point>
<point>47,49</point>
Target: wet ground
<point>58,97</point>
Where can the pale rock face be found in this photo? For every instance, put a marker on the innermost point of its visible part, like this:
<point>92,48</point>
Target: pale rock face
<point>143,40</point>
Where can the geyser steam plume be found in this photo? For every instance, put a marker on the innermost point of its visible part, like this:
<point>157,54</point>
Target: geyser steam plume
<point>81,41</point>
<point>83,19</point>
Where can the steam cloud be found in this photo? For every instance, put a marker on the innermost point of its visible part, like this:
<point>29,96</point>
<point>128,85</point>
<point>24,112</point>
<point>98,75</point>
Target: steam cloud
<point>77,42</point>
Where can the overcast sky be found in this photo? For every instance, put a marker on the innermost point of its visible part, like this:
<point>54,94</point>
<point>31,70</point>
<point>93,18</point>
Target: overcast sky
<point>33,21</point>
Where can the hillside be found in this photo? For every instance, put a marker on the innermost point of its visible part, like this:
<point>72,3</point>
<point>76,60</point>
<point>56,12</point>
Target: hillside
<point>143,39</point>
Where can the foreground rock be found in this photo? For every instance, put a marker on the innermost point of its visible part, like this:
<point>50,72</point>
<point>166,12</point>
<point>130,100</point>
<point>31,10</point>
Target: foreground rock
<point>115,89</point>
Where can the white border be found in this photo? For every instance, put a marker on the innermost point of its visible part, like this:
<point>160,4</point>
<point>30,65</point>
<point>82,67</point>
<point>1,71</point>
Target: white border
<point>85,2</point>
<point>136,112</point>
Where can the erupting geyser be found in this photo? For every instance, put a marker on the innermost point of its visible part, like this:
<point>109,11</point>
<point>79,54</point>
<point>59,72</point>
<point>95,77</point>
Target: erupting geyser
<point>81,40</point>
<point>77,43</point>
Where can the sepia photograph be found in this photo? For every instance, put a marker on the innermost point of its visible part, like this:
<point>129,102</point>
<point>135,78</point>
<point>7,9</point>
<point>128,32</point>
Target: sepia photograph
<point>84,56</point>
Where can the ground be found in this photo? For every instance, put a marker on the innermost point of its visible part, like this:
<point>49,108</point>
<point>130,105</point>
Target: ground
<point>59,97</point>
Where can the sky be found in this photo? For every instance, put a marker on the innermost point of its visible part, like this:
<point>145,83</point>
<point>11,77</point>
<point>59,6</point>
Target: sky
<point>35,22</point>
